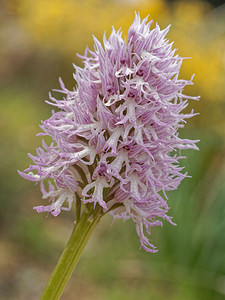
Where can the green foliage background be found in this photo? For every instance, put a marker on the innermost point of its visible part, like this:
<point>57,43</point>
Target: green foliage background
<point>39,40</point>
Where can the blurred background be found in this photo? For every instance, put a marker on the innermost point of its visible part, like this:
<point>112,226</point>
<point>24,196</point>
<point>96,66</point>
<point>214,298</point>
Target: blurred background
<point>39,41</point>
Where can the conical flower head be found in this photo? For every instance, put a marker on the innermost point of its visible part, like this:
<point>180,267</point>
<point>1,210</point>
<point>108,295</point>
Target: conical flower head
<point>115,136</point>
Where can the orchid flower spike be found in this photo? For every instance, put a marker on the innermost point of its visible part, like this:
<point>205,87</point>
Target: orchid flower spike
<point>115,136</point>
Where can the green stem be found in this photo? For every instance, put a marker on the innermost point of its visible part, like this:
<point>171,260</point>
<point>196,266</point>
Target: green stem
<point>80,235</point>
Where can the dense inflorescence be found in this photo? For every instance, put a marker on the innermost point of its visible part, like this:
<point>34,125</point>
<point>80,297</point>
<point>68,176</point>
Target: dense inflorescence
<point>115,136</point>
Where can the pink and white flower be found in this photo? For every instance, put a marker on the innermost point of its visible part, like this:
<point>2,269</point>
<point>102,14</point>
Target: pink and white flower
<point>116,133</point>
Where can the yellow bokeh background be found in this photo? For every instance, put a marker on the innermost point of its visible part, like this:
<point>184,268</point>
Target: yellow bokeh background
<point>39,41</point>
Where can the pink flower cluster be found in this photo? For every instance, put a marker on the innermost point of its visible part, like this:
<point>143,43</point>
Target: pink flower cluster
<point>115,136</point>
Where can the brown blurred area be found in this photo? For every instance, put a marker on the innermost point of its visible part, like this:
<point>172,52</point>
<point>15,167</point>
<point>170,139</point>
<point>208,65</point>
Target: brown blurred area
<point>39,41</point>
